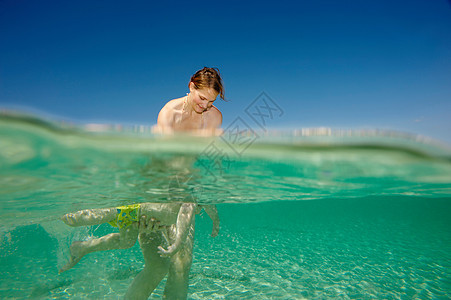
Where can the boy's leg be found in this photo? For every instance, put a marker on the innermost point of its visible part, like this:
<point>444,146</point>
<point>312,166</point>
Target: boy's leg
<point>89,217</point>
<point>179,268</point>
<point>156,267</point>
<point>126,238</point>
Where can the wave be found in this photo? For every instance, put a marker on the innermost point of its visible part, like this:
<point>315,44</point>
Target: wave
<point>49,168</point>
<point>140,137</point>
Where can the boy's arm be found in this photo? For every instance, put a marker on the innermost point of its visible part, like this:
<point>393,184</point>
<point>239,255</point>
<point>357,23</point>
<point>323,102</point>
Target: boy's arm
<point>184,220</point>
<point>212,212</point>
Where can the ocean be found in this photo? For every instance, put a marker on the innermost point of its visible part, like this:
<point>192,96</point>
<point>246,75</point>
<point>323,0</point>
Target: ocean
<point>304,215</point>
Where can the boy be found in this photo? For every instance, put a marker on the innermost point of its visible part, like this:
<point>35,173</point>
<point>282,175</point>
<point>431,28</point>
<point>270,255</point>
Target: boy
<point>127,219</point>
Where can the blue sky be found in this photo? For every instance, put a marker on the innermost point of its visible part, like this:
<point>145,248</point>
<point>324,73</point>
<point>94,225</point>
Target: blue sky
<point>341,64</point>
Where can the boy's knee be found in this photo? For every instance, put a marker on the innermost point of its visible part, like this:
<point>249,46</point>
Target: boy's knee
<point>182,263</point>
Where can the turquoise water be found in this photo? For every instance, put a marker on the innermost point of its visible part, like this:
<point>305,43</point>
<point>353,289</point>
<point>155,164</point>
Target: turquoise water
<point>359,216</point>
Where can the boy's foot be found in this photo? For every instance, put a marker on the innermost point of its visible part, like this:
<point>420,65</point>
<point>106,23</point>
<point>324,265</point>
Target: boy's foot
<point>69,219</point>
<point>75,256</point>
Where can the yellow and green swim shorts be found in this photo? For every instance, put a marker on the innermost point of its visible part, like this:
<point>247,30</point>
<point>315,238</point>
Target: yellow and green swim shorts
<point>125,216</point>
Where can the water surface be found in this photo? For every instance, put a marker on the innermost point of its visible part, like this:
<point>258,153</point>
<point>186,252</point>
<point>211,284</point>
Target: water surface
<point>338,216</point>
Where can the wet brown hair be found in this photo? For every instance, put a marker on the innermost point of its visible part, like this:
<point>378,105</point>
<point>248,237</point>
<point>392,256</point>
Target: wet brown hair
<point>208,78</point>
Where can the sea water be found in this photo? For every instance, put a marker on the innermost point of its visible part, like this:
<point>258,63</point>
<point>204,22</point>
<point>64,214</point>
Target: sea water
<point>353,216</point>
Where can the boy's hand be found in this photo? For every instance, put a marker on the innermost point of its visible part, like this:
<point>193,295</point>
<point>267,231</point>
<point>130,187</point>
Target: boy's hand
<point>172,249</point>
<point>212,212</point>
<point>149,226</point>
<point>215,229</point>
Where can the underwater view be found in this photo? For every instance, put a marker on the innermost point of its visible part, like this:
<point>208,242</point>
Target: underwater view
<point>303,215</point>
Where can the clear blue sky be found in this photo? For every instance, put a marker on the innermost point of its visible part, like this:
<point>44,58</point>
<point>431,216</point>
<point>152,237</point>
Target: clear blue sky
<point>344,64</point>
